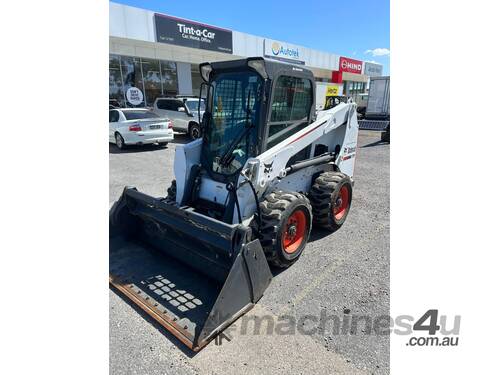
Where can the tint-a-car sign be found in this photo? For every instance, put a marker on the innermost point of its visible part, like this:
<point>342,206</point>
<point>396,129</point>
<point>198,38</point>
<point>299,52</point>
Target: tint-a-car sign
<point>350,65</point>
<point>185,33</point>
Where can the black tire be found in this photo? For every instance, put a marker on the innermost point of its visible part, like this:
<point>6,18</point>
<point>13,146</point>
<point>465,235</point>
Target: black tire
<point>194,131</point>
<point>278,211</point>
<point>385,136</point>
<point>330,206</point>
<point>162,144</point>
<point>119,141</point>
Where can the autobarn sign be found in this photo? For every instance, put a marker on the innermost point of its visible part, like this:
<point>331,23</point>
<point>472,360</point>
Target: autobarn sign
<point>172,30</point>
<point>373,70</point>
<point>350,65</point>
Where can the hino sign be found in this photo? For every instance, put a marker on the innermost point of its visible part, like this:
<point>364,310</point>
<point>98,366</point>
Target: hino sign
<point>350,65</point>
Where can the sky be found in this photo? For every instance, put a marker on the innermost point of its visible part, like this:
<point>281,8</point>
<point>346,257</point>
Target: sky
<point>357,29</point>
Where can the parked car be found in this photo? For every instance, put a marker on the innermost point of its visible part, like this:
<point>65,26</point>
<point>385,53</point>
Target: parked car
<point>138,126</point>
<point>183,111</point>
<point>114,103</point>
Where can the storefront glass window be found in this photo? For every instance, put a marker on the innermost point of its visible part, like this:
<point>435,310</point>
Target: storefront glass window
<point>155,78</point>
<point>354,88</point>
<point>169,78</point>
<point>132,76</point>
<point>152,79</point>
<point>115,81</point>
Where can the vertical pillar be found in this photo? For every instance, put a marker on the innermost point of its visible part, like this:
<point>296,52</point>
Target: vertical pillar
<point>184,81</point>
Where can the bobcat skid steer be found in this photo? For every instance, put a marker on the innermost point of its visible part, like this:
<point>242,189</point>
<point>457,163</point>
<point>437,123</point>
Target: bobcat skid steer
<point>245,195</point>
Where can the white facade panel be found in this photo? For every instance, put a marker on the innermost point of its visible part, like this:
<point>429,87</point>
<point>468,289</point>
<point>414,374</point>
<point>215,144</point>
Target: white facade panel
<point>132,23</point>
<point>117,20</point>
<point>247,45</point>
<point>137,24</point>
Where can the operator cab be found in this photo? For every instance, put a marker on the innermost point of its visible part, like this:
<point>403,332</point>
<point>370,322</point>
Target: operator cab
<point>251,106</point>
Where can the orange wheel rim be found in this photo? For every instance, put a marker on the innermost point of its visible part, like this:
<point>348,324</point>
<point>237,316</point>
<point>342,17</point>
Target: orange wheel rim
<point>341,203</point>
<point>294,232</point>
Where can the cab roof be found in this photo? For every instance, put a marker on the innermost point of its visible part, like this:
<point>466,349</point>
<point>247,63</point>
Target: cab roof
<point>273,68</point>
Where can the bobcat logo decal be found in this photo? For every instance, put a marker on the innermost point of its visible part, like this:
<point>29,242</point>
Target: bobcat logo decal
<point>268,168</point>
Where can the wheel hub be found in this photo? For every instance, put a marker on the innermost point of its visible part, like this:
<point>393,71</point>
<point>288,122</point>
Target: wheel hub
<point>341,205</point>
<point>294,232</point>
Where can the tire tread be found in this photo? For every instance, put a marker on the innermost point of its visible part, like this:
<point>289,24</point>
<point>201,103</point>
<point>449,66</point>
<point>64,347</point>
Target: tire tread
<point>272,209</point>
<point>320,196</point>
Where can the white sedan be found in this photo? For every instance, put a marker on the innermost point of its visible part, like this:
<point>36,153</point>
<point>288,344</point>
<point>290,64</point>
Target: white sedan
<point>138,126</point>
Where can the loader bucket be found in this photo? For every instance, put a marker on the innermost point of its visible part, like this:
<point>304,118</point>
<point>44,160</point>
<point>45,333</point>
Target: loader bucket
<point>193,274</point>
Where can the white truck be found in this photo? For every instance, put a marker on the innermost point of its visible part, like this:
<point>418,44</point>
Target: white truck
<point>378,109</point>
<point>378,106</point>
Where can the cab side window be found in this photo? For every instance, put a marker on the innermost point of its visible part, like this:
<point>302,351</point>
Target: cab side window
<point>290,108</point>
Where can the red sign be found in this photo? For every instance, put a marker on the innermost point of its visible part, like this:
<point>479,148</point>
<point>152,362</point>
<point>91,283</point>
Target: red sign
<point>350,65</point>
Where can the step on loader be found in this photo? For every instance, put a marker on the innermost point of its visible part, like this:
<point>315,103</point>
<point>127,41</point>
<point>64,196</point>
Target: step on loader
<point>245,196</point>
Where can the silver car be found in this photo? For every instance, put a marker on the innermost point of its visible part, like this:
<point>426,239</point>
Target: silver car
<point>183,111</point>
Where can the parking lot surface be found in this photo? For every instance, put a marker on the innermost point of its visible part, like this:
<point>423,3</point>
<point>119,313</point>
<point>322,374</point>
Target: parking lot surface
<point>344,274</point>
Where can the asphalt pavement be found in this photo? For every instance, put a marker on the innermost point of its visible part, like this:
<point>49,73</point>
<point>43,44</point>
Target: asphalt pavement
<point>341,279</point>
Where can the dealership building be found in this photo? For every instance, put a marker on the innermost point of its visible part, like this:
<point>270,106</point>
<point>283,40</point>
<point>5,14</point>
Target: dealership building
<point>158,55</point>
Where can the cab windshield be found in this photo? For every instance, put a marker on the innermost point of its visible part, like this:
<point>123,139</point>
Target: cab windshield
<point>231,134</point>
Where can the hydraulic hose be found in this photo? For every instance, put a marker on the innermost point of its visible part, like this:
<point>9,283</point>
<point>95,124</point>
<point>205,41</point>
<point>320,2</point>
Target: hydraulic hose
<point>230,187</point>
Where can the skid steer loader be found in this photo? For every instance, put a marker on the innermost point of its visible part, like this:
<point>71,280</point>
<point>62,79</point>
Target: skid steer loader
<point>245,196</point>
